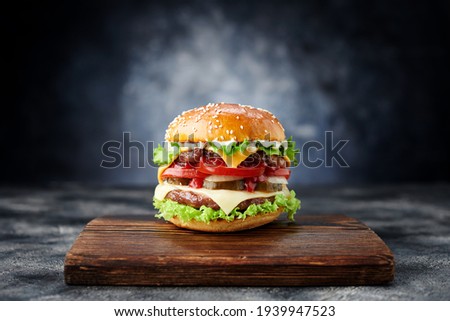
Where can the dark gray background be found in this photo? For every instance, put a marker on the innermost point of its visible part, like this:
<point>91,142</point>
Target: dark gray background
<point>79,73</point>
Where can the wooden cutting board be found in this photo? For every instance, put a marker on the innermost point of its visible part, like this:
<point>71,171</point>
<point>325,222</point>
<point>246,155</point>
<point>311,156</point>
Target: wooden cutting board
<point>315,250</point>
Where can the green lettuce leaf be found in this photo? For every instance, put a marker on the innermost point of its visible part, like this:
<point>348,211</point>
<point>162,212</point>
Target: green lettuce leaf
<point>229,149</point>
<point>287,148</point>
<point>169,209</point>
<point>270,150</point>
<point>164,156</point>
<point>290,151</point>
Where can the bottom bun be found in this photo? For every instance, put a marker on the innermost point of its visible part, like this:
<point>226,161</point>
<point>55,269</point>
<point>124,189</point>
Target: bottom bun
<point>223,226</point>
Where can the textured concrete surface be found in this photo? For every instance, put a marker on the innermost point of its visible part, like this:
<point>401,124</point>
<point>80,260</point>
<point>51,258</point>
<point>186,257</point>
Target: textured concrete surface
<point>39,224</point>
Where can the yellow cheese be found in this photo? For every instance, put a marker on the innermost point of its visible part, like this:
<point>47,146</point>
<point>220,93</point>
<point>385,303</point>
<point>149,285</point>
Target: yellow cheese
<point>226,199</point>
<point>232,160</point>
<point>161,169</point>
<point>238,157</point>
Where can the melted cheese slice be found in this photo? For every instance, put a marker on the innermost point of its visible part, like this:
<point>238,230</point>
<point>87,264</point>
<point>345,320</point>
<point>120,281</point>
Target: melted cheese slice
<point>226,199</point>
<point>161,169</point>
<point>238,157</point>
<point>232,160</point>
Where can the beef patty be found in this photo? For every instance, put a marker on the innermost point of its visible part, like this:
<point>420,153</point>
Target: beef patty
<point>197,200</point>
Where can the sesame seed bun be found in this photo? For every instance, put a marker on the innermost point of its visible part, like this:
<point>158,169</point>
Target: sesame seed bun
<point>223,226</point>
<point>224,122</point>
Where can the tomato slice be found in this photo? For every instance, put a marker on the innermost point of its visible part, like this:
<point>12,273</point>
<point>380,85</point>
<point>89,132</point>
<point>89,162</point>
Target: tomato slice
<point>183,173</point>
<point>196,182</point>
<point>229,171</point>
<point>270,171</point>
<point>250,184</point>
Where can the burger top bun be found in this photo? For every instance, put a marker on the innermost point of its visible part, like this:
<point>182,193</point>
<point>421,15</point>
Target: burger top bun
<point>225,122</point>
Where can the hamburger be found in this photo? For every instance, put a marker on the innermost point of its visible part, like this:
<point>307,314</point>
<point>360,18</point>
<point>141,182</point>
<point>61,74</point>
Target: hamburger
<point>223,168</point>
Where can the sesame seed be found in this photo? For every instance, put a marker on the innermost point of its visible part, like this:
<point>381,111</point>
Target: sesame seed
<point>221,137</point>
<point>237,117</point>
<point>265,130</point>
<point>215,126</point>
<point>227,131</point>
<point>242,127</point>
<point>231,132</point>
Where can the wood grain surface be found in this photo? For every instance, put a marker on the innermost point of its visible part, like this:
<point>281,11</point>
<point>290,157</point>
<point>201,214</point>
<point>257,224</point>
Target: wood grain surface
<point>314,250</point>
